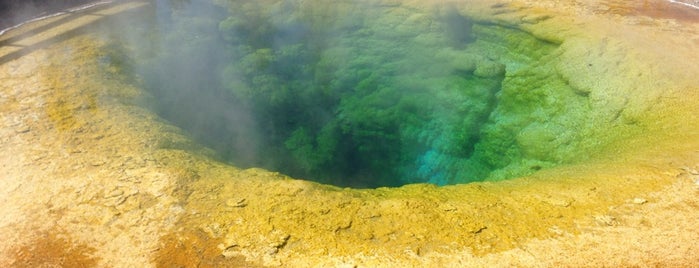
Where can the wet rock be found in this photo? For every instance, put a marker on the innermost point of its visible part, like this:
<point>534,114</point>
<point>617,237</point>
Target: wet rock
<point>489,69</point>
<point>535,18</point>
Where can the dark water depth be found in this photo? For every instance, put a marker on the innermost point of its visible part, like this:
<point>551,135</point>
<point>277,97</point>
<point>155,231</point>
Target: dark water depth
<point>348,93</point>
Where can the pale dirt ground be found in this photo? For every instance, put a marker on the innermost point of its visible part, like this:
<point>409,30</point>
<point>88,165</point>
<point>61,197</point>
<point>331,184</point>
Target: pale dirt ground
<point>87,178</point>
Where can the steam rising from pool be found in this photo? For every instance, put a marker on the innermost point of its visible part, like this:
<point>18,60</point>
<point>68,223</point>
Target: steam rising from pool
<point>356,93</point>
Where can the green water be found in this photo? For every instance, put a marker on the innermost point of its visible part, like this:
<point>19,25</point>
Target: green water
<point>354,93</point>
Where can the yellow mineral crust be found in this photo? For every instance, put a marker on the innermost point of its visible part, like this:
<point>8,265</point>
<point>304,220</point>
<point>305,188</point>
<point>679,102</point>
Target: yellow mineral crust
<point>89,178</point>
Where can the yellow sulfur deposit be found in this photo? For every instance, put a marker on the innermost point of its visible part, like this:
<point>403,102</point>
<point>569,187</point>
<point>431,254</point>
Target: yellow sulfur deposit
<point>89,177</point>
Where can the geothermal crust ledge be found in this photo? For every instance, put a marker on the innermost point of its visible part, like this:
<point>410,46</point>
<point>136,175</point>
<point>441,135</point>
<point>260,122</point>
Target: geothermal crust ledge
<point>89,178</point>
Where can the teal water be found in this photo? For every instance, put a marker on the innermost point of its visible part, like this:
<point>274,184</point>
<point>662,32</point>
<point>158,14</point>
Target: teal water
<point>353,93</point>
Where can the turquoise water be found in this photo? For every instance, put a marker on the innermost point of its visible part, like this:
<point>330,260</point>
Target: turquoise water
<point>351,93</point>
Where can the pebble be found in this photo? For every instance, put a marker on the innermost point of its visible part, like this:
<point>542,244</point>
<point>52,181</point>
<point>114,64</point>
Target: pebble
<point>561,202</point>
<point>691,171</point>
<point>447,207</point>
<point>22,129</point>
<point>231,251</point>
<point>639,201</point>
<point>276,245</point>
<point>115,193</point>
<point>236,202</point>
<point>120,200</point>
<point>605,220</point>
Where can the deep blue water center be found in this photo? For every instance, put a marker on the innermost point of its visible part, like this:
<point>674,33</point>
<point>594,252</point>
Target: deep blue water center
<point>348,93</point>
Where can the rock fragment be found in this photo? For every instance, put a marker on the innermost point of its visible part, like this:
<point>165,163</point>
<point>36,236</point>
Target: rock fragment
<point>236,202</point>
<point>605,220</point>
<point>639,201</point>
<point>22,129</point>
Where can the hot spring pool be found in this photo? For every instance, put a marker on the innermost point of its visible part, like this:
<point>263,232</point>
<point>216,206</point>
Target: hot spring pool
<point>366,94</point>
<point>356,133</point>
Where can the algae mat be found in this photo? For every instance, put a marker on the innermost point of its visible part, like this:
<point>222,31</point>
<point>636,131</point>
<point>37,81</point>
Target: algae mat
<point>90,178</point>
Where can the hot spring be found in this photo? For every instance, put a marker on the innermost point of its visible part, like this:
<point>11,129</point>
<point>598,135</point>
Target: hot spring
<point>352,133</point>
<point>364,94</point>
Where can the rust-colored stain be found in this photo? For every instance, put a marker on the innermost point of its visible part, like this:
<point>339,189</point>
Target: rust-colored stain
<point>193,249</point>
<point>655,9</point>
<point>54,249</point>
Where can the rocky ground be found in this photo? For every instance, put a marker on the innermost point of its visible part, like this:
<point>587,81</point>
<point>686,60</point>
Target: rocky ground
<point>13,12</point>
<point>89,178</point>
